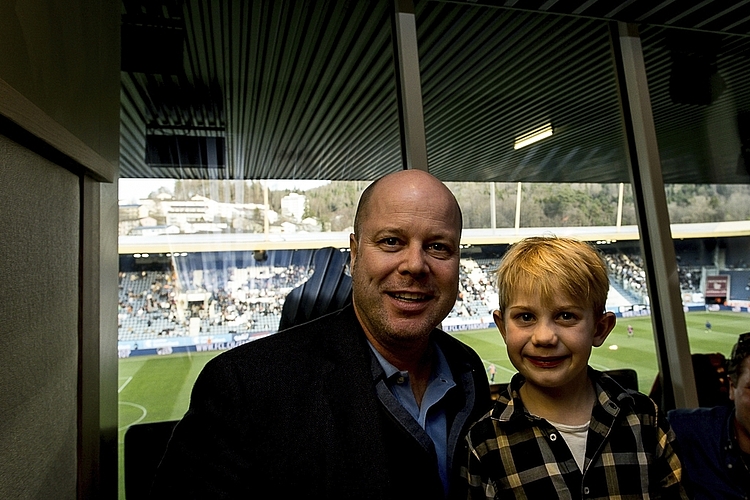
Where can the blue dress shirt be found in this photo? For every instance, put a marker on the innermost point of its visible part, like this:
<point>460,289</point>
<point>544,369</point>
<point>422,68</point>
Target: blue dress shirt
<point>431,414</point>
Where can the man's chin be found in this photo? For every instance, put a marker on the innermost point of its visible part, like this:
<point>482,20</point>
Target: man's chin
<point>413,328</point>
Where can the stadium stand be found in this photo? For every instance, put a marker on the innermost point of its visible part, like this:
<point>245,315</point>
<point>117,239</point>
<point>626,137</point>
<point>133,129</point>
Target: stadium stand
<point>222,293</point>
<point>627,276</point>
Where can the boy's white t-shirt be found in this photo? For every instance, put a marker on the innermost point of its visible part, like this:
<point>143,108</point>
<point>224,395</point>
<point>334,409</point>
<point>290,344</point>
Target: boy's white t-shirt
<point>575,438</point>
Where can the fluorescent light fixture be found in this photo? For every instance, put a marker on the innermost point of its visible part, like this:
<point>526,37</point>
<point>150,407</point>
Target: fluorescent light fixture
<point>533,136</point>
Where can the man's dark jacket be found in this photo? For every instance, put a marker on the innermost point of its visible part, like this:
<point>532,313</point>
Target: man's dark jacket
<point>296,415</point>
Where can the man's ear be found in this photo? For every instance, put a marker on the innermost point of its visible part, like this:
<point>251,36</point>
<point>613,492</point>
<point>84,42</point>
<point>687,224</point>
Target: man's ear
<point>731,389</point>
<point>497,315</point>
<point>352,250</point>
<point>604,327</point>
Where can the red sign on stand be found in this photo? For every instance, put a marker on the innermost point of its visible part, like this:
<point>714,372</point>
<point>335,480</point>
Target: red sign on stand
<point>717,286</point>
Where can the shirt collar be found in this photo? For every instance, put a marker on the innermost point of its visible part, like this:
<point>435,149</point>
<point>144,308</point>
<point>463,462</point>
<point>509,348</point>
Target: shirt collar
<point>441,368</point>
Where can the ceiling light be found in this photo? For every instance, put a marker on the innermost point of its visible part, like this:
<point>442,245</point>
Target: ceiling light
<point>533,136</point>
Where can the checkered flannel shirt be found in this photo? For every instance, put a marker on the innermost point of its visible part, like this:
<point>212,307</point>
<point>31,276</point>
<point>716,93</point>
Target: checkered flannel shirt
<point>629,452</point>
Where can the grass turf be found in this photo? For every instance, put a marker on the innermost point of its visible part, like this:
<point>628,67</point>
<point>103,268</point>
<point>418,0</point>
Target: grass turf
<point>156,388</point>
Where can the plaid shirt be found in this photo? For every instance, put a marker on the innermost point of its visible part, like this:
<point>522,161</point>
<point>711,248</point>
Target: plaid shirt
<point>629,453</point>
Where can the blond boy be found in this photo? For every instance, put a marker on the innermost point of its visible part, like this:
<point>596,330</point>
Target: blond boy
<point>563,429</point>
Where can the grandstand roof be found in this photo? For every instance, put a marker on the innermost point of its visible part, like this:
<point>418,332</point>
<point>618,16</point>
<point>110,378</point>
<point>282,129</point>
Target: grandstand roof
<point>294,241</point>
<point>307,90</point>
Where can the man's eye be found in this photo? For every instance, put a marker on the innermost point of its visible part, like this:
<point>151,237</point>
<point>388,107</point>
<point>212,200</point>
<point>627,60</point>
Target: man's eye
<point>526,317</point>
<point>390,241</point>
<point>566,316</point>
<point>441,250</point>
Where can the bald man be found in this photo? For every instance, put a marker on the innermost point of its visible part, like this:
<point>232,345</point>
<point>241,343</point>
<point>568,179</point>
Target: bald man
<point>381,398</point>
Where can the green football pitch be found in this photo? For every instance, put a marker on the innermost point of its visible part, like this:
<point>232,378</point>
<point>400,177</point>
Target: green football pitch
<point>156,388</point>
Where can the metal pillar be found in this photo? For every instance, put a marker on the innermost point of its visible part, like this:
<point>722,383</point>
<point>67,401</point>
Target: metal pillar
<point>409,86</point>
<point>667,316</point>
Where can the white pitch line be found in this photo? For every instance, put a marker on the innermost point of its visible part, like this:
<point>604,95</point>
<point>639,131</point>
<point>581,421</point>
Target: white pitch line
<point>124,385</point>
<point>143,415</point>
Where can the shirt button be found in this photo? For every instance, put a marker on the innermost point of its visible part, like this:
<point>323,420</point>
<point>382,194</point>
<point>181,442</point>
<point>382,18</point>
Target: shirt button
<point>400,380</point>
<point>553,437</point>
<point>585,490</point>
<point>729,466</point>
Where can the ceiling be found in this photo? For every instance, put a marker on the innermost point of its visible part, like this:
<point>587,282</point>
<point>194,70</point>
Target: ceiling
<point>222,89</point>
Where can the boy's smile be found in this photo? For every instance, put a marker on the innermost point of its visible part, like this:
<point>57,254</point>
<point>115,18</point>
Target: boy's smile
<point>550,343</point>
<point>546,361</point>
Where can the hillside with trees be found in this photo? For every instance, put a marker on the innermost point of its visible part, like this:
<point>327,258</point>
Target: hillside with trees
<point>542,204</point>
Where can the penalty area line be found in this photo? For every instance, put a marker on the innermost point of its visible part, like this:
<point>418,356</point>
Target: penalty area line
<point>124,385</point>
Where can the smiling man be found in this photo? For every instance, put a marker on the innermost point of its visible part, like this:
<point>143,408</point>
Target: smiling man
<point>382,398</point>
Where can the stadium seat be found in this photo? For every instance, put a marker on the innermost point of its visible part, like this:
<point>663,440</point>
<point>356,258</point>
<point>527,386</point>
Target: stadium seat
<point>626,377</point>
<point>144,446</point>
<point>711,382</point>
<point>327,290</point>
<point>496,389</point>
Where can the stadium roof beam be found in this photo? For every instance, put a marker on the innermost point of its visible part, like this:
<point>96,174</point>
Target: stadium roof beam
<point>340,239</point>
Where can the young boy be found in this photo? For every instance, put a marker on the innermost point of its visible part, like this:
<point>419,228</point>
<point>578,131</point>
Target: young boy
<point>562,429</point>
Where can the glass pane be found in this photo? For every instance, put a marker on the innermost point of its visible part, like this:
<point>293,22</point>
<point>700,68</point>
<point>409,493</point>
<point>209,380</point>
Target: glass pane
<point>491,76</point>
<point>700,97</point>
<point>211,245</point>
<point>193,283</point>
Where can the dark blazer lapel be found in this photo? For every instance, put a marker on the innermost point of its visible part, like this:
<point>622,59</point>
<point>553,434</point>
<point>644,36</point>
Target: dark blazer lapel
<point>355,448</point>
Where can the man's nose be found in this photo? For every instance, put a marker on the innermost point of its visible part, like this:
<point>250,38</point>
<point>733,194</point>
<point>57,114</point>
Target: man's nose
<point>415,261</point>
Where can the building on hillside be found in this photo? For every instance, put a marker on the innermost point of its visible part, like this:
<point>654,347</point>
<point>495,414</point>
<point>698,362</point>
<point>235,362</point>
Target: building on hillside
<point>293,206</point>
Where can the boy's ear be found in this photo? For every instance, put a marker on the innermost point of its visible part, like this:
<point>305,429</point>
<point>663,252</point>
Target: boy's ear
<point>603,328</point>
<point>497,315</point>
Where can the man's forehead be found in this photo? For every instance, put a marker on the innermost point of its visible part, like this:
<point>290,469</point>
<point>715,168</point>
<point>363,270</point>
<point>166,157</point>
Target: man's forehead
<point>409,227</point>
<point>399,212</point>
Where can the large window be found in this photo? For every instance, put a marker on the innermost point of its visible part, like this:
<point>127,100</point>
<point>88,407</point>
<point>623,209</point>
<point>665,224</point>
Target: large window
<point>248,137</point>
<point>698,84</point>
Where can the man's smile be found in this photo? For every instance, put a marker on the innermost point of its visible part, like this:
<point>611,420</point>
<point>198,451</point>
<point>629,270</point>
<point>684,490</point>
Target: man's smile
<point>409,296</point>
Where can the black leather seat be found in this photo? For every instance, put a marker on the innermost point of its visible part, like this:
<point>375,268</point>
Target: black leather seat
<point>327,290</point>
<point>626,377</point>
<point>144,445</point>
<point>711,382</point>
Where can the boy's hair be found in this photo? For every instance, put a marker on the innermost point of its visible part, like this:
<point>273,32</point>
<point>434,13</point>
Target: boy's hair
<point>551,266</point>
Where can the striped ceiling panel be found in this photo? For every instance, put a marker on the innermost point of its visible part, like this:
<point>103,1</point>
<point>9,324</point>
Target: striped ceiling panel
<point>306,89</point>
